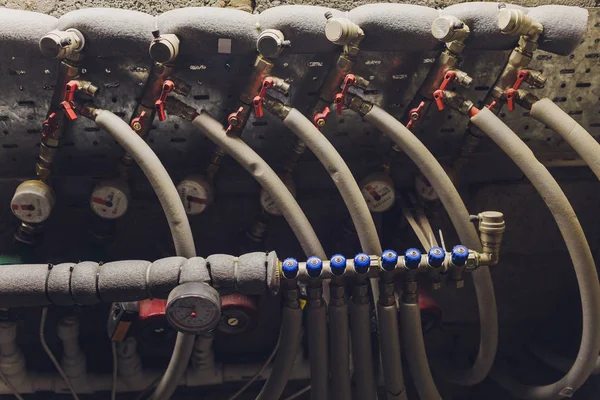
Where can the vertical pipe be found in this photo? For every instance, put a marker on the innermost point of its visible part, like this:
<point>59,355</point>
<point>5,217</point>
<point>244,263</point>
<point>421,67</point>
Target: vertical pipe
<point>316,314</point>
<point>360,323</point>
<point>339,344</point>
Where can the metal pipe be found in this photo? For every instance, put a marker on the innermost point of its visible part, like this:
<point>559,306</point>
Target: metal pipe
<point>360,325</point>
<point>578,247</point>
<point>389,343</point>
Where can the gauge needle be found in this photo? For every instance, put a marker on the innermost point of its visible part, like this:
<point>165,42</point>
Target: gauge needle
<point>100,201</point>
<point>198,200</point>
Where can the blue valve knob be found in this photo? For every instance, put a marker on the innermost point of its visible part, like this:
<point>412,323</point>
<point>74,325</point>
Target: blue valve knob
<point>436,257</point>
<point>412,258</point>
<point>362,262</point>
<point>389,259</point>
<point>460,254</point>
<point>337,264</point>
<point>289,266</point>
<point>314,266</point>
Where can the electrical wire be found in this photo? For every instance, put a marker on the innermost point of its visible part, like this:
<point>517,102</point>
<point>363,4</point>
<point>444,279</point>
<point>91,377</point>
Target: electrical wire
<point>51,356</point>
<point>10,387</point>
<point>113,392</point>
<point>260,372</point>
<point>298,393</point>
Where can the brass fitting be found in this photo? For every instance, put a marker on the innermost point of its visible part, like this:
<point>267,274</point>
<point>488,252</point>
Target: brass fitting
<point>457,102</point>
<point>62,44</point>
<point>535,79</point>
<point>462,78</point>
<point>179,108</point>
<point>358,104</point>
<point>276,107</point>
<point>87,109</point>
<point>343,32</point>
<point>87,88</point>
<point>515,22</point>
<point>452,31</point>
<point>164,48</point>
<point>525,99</point>
<point>280,85</point>
<point>271,43</point>
<point>491,229</point>
<point>262,69</point>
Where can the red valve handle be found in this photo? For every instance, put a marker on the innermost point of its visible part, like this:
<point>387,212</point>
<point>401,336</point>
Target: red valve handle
<point>438,96</point>
<point>510,98</point>
<point>70,89</point>
<point>259,100</point>
<point>512,93</point>
<point>160,104</point>
<point>137,124</point>
<point>418,112</point>
<point>448,78</point>
<point>320,118</point>
<point>234,119</point>
<point>339,98</point>
<point>67,107</point>
<point>49,126</point>
<point>521,77</point>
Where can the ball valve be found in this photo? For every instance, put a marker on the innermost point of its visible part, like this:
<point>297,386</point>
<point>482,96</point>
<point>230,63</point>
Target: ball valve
<point>110,199</point>
<point>33,202</point>
<point>196,194</point>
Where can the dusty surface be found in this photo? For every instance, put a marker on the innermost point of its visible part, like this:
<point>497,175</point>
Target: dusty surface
<point>60,7</point>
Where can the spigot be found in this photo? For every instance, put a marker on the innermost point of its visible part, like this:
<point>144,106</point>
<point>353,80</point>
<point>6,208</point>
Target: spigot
<point>491,229</point>
<point>321,118</point>
<point>234,119</point>
<point>271,43</point>
<point>415,115</point>
<point>62,44</point>
<point>137,124</point>
<point>160,104</point>
<point>164,48</point>
<point>259,100</point>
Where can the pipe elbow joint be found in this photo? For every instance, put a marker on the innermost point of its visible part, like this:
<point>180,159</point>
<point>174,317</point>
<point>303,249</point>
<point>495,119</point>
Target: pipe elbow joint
<point>515,22</point>
<point>62,44</point>
<point>491,229</point>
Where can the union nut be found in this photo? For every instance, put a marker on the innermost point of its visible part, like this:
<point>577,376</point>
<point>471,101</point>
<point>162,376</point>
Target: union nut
<point>491,229</point>
<point>515,22</point>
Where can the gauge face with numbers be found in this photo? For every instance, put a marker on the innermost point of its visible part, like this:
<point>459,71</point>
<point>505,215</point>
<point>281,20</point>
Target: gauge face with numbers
<point>109,201</point>
<point>195,194</point>
<point>194,308</point>
<point>33,202</point>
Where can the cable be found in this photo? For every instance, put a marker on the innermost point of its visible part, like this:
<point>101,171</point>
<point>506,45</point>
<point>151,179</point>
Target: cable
<point>10,387</point>
<point>259,373</point>
<point>113,393</point>
<point>51,356</point>
<point>298,393</point>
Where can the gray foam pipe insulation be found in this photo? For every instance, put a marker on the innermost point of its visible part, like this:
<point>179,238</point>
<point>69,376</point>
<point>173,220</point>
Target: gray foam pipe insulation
<point>388,27</point>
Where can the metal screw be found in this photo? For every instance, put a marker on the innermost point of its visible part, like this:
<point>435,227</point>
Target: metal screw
<point>233,321</point>
<point>414,116</point>
<point>321,122</point>
<point>137,126</point>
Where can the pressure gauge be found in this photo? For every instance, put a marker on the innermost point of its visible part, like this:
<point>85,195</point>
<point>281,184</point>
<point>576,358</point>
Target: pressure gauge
<point>195,193</point>
<point>424,188</point>
<point>194,308</point>
<point>266,200</point>
<point>378,191</point>
<point>110,199</point>
<point>33,201</point>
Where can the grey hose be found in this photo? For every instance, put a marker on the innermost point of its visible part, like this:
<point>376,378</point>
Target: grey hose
<point>316,317</point>
<point>360,325</point>
<point>579,251</point>
<point>581,141</point>
<point>267,178</point>
<point>342,177</point>
<point>414,348</point>
<point>339,345</point>
<point>484,288</point>
<point>389,342</point>
<point>178,223</point>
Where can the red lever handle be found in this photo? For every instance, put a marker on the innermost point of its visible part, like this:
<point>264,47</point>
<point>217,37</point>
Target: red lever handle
<point>339,98</point>
<point>438,96</point>
<point>70,89</point>
<point>448,78</point>
<point>137,124</point>
<point>49,126</point>
<point>258,100</point>
<point>510,98</point>
<point>521,77</point>
<point>512,93</point>
<point>160,104</point>
<point>234,119</point>
<point>415,114</point>
<point>68,109</point>
<point>320,118</point>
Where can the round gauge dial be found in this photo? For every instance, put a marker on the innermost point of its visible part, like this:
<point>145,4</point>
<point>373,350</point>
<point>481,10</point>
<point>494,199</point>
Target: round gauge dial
<point>267,202</point>
<point>195,194</point>
<point>378,191</point>
<point>33,201</point>
<point>110,199</point>
<point>194,308</point>
<point>424,188</point>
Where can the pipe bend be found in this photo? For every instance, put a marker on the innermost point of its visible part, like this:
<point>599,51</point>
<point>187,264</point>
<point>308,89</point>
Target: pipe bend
<point>24,28</point>
<point>577,245</point>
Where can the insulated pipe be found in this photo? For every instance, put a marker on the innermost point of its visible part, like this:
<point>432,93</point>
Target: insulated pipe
<point>339,345</point>
<point>342,177</point>
<point>267,178</point>
<point>291,334</point>
<point>389,343</point>
<point>316,318</point>
<point>579,250</point>
<point>178,223</point>
<point>414,348</point>
<point>362,354</point>
<point>581,141</point>
<point>435,174</point>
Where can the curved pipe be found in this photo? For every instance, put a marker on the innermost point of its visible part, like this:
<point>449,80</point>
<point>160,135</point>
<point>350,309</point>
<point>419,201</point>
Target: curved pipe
<point>178,223</point>
<point>362,355</point>
<point>579,139</point>
<point>267,178</point>
<point>291,334</point>
<point>435,174</point>
<point>580,253</point>
<point>339,345</point>
<point>414,348</point>
<point>21,32</point>
<point>389,343</point>
<point>342,177</point>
